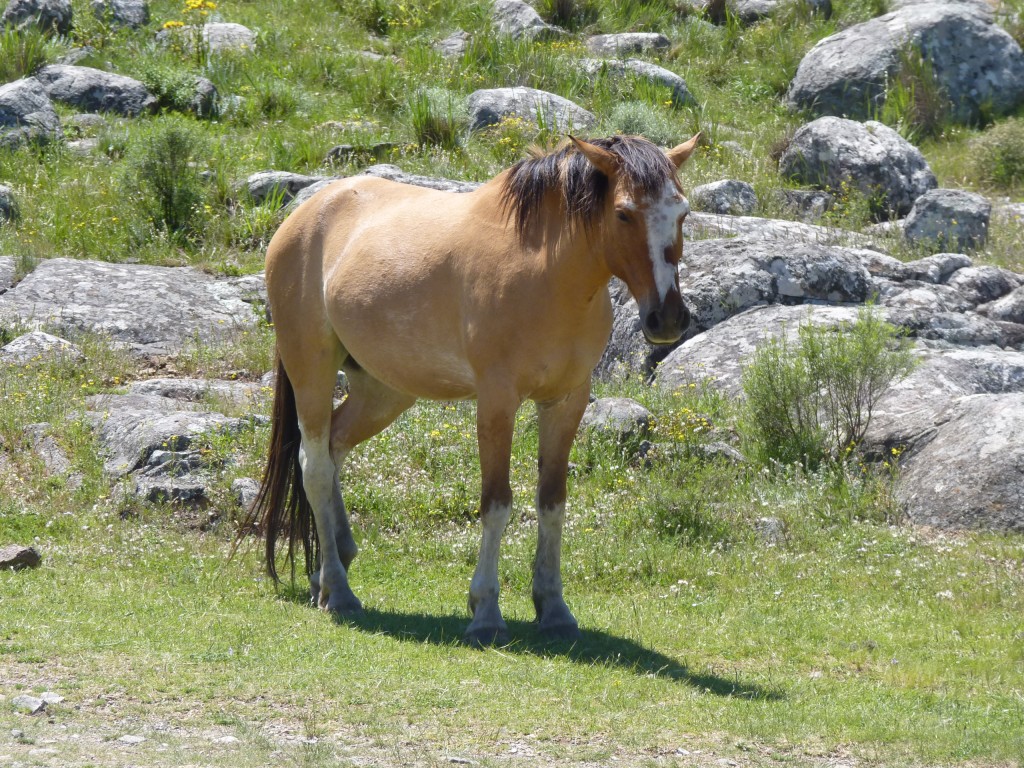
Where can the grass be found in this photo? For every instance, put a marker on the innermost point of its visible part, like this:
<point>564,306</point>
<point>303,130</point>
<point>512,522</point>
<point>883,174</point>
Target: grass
<point>853,640</point>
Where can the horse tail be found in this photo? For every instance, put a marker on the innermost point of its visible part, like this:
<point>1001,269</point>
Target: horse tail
<point>281,508</point>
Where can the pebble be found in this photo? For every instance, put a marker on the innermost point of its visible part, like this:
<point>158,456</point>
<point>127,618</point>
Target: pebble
<point>132,739</point>
<point>29,704</point>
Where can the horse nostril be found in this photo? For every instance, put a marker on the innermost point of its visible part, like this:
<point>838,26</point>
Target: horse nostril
<point>653,321</point>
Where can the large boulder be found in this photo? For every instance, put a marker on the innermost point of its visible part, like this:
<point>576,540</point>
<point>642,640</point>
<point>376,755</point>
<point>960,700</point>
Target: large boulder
<point>949,219</point>
<point>94,90</point>
<point>837,154</point>
<point>151,310</point>
<point>26,114</point>
<point>489,106</point>
<point>122,13</point>
<point>626,43</point>
<point>38,347</point>
<point>730,196</point>
<point>979,65</point>
<point>618,68</point>
<point>8,271</point>
<point>49,15</point>
<point>519,20</point>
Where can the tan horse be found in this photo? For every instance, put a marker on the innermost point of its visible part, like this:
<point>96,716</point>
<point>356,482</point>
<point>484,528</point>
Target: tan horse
<point>500,294</point>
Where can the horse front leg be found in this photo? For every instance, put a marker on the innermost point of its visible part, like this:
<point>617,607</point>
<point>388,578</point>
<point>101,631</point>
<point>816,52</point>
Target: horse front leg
<point>557,423</point>
<point>495,422</point>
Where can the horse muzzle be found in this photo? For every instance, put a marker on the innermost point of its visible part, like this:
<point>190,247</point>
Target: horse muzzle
<point>665,323</point>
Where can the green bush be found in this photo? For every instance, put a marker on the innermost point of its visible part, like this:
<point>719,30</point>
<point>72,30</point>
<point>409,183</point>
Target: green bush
<point>163,174</point>
<point>174,87</point>
<point>22,52</point>
<point>438,116</point>
<point>997,155</point>
<point>811,402</point>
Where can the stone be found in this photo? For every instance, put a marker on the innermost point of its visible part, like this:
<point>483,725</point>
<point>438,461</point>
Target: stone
<point>455,45</point>
<point>979,65</point>
<point>8,204</point>
<point>949,219</point>
<point>1009,308</point>
<point>981,285</point>
<point>834,153</point>
<point>51,699</point>
<point>937,268</point>
<point>8,272</point>
<point>704,226</point>
<point>394,173</point>
<point>50,15</point>
<point>122,13</point>
<point>489,106</point>
<point>619,68</point>
<point>131,739</point>
<point>263,185</point>
<point>519,20</point>
<point>94,90</point>
<point>770,531</point>
<point>245,490</point>
<point>26,114</point>
<point>217,36</point>
<point>15,558</point>
<point>151,310</point>
<point>39,347</point>
<point>808,205</point>
<point>913,295</point>
<point>238,394</point>
<point>625,43</point>
<point>131,428</point>
<point>29,705</point>
<point>729,196</point>
<point>205,102</point>
<point>960,328</point>
<point>50,451</point>
<point>620,416</point>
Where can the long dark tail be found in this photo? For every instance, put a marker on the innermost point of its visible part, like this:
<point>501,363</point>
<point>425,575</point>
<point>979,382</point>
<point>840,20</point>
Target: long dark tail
<point>281,508</point>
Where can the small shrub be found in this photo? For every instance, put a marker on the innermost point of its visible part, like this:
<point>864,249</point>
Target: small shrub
<point>23,52</point>
<point>439,117</point>
<point>174,87</point>
<point>640,119</point>
<point>811,403</point>
<point>916,104</point>
<point>997,155</point>
<point>163,166</point>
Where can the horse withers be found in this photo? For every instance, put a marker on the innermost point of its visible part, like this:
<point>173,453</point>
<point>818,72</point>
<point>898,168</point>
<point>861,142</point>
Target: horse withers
<point>500,294</point>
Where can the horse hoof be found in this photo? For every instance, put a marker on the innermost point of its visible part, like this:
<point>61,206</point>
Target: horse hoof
<point>344,610</point>
<point>485,637</point>
<point>561,632</point>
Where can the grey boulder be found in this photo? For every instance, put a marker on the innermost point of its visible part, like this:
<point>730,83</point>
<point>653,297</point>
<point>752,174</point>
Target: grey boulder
<point>519,20</point>
<point>15,557</point>
<point>619,416</point>
<point>122,13</point>
<point>39,347</point>
<point>94,90</point>
<point>833,153</point>
<point>618,68</point>
<point>949,219</point>
<point>979,65</point>
<point>8,204</point>
<point>489,106</point>
<point>729,196</point>
<point>49,15</point>
<point>26,114</point>
<point>625,43</point>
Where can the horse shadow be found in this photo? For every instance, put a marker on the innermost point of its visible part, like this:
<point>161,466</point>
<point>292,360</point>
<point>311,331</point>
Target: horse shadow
<point>593,647</point>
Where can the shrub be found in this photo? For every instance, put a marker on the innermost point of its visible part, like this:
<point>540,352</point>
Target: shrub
<point>641,119</point>
<point>162,166</point>
<point>571,14</point>
<point>174,87</point>
<point>439,117</point>
<point>811,403</point>
<point>916,104</point>
<point>997,155</point>
<point>23,52</point>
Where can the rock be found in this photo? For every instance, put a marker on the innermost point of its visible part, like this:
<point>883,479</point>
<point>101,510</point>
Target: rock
<point>937,268</point>
<point>132,427</point>
<point>949,218</point>
<point>85,123</point>
<point>518,20</point>
<point>50,15</point>
<point>808,205</point>
<point>627,352</point>
<point>245,491</point>
<point>15,558</point>
<point>1009,308</point>
<point>237,393</point>
<point>915,296</point>
<point>394,173</point>
<point>455,45</point>
<point>728,196</point>
<point>264,184</point>
<point>980,285</point>
<point>7,274</point>
<point>51,699</point>
<point>152,310</point>
<point>624,43</point>
<point>132,740</point>
<point>970,474</point>
<point>832,152</point>
<point>49,450</point>
<point>39,347</point>
<point>8,204</point>
<point>770,531</point>
<point>26,114</point>
<point>29,705</point>
<point>620,416</point>
<point>639,68</point>
<point>717,357</point>
<point>94,90</point>
<point>703,226</point>
<point>980,66</point>
<point>122,13</point>
<point>218,37</point>
<point>205,102</point>
<point>489,106</point>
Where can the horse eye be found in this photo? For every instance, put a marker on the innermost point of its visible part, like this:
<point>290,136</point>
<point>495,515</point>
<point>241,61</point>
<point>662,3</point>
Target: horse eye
<point>623,216</point>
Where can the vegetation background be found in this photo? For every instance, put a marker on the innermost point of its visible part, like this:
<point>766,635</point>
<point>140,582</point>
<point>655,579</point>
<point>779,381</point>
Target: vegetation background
<point>851,639</point>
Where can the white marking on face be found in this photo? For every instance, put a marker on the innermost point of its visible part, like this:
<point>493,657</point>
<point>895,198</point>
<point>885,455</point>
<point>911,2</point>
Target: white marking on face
<point>663,216</point>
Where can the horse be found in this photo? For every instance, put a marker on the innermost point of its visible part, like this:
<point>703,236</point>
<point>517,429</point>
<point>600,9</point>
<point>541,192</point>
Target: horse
<point>499,294</point>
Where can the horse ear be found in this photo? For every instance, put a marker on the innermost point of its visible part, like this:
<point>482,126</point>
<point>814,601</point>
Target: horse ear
<point>679,155</point>
<point>606,162</point>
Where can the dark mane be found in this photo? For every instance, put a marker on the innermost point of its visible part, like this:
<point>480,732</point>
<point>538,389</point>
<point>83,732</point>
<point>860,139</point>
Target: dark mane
<point>644,166</point>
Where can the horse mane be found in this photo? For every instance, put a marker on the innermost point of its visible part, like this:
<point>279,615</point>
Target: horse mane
<point>584,188</point>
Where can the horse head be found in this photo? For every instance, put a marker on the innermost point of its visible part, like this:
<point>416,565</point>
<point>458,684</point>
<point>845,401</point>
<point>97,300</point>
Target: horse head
<point>642,228</point>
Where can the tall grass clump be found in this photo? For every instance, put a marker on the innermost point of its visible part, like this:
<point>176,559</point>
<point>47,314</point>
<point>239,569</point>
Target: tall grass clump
<point>638,118</point>
<point>22,52</point>
<point>810,402</point>
<point>916,104</point>
<point>997,155</point>
<point>164,166</point>
<point>571,14</point>
<point>439,117</point>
